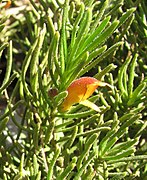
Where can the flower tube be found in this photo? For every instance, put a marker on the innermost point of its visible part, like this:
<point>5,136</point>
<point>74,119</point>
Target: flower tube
<point>80,90</point>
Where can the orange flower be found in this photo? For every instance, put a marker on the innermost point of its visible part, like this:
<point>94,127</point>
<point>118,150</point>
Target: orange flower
<point>79,90</point>
<point>8,4</point>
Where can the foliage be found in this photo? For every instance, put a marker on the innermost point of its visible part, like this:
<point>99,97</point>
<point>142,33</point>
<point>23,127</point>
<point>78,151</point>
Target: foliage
<point>51,44</point>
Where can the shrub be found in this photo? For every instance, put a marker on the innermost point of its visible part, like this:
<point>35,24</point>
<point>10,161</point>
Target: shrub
<point>48,45</point>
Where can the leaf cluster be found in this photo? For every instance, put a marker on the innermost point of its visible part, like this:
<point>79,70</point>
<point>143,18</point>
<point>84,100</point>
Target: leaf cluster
<point>49,46</point>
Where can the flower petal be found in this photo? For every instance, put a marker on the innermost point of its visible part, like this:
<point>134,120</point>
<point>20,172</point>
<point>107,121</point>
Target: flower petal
<point>79,90</point>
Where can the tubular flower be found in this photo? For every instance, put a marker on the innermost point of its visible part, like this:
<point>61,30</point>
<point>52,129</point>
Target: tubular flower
<point>8,4</point>
<point>79,90</point>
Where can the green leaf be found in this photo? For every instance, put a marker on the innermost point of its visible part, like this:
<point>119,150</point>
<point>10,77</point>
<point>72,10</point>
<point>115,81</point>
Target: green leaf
<point>2,27</point>
<point>125,16</point>
<point>132,158</point>
<point>43,91</point>
<point>35,60</point>
<point>91,37</point>
<point>9,64</point>
<point>137,93</point>
<point>7,83</point>
<point>100,15</point>
<point>85,164</point>
<point>76,24</point>
<point>122,130</point>
<point>90,141</point>
<point>82,32</point>
<point>100,58</point>
<point>60,97</point>
<point>3,124</point>
<point>122,78</point>
<point>132,75</point>
<point>122,154</point>
<point>75,73</point>
<point>68,169</point>
<point>106,70</point>
<point>121,147</point>
<point>63,39</point>
<point>52,164</point>
<point>103,36</point>
<point>2,47</point>
<point>25,67</point>
<point>36,165</point>
<point>76,115</point>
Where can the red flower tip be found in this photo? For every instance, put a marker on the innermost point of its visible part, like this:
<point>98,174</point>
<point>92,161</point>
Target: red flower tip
<point>52,92</point>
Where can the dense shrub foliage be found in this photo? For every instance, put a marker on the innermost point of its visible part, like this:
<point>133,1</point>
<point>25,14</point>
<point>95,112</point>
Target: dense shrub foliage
<point>44,47</point>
